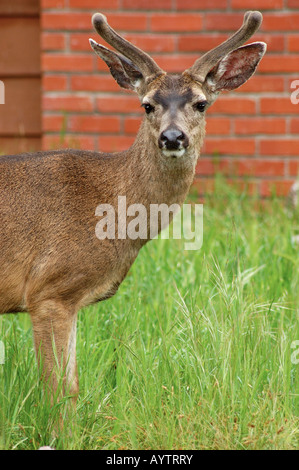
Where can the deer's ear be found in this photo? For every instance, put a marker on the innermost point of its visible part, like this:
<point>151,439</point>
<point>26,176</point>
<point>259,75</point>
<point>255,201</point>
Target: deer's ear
<point>122,69</point>
<point>236,67</point>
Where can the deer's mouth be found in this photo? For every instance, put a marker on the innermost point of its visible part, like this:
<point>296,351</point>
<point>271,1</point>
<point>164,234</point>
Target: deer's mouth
<point>172,153</point>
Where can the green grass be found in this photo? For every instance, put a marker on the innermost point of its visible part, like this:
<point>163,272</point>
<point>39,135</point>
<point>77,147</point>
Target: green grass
<point>194,351</point>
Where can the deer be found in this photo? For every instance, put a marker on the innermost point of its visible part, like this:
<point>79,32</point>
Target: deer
<point>52,262</point>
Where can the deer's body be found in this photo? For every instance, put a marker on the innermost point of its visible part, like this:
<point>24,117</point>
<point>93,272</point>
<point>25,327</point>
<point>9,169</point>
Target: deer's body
<point>52,263</point>
<point>61,257</point>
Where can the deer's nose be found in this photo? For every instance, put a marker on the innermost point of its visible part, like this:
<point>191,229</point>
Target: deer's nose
<point>173,139</point>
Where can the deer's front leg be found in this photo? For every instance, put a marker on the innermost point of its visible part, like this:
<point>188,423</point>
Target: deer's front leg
<point>54,329</point>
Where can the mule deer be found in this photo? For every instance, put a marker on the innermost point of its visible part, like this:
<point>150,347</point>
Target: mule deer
<point>52,263</point>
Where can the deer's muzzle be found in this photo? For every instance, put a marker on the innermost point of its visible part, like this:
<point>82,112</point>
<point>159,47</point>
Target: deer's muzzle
<point>173,139</point>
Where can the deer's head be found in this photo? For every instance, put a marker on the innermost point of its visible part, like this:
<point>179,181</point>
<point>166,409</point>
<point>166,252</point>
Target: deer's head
<point>175,105</point>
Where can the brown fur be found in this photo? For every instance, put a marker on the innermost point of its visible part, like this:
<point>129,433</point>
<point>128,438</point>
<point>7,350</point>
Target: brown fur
<point>52,263</point>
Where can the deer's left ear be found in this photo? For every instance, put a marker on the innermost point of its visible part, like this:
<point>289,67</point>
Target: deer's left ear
<point>236,67</point>
<point>122,69</point>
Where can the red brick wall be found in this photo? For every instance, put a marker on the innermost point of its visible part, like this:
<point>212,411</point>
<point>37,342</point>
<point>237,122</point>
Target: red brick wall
<point>252,133</point>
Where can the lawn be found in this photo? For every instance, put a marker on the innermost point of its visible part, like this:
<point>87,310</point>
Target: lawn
<point>195,351</point>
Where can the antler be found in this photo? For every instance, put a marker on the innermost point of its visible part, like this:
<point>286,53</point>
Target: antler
<point>202,66</point>
<point>142,60</point>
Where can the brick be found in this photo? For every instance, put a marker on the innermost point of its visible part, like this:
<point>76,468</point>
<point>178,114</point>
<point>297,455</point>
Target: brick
<point>63,21</point>
<point>279,63</point>
<point>257,125</point>
<point>204,4</point>
<point>218,126</point>
<point>257,4</point>
<point>285,147</point>
<point>233,106</point>
<point>280,105</point>
<point>252,167</point>
<point>67,63</point>
<point>53,123</point>
<point>147,5</point>
<point>119,104</point>
<point>99,82</point>
<point>94,4</point>
<point>54,82</point>
<point>281,22</point>
<point>229,146</point>
<point>94,124</point>
<point>293,43</point>
<point>294,127</point>
<point>67,103</point>
<point>294,168</point>
<point>168,22</point>
<point>293,3</point>
<point>115,143</point>
<point>52,41</point>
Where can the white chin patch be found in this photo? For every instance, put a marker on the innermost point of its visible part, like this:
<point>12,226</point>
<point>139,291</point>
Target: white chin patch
<point>173,153</point>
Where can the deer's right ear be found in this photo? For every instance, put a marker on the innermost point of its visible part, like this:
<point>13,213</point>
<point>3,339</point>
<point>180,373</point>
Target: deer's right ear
<point>236,67</point>
<point>122,69</point>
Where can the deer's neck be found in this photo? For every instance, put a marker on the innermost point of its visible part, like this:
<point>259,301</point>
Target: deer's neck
<point>156,179</point>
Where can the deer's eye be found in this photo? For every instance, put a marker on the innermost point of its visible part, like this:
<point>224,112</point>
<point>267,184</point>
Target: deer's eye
<point>201,106</point>
<point>148,108</point>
